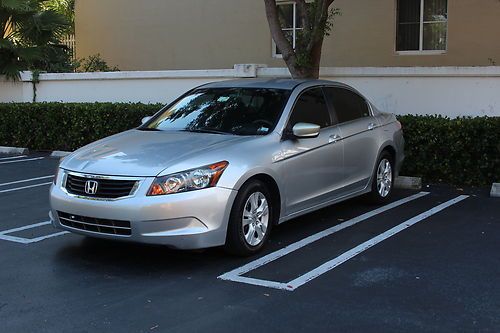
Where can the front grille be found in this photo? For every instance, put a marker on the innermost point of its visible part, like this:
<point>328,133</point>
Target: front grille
<point>103,226</point>
<point>106,188</point>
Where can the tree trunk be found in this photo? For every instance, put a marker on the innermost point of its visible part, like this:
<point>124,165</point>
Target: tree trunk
<point>278,36</point>
<point>309,50</point>
<point>304,73</point>
<point>316,58</point>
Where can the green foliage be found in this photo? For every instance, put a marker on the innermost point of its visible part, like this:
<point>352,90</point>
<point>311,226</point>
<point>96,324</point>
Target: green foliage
<point>65,8</point>
<point>30,38</point>
<point>93,63</point>
<point>463,151</point>
<point>55,59</point>
<point>332,13</point>
<point>318,29</point>
<point>314,20</point>
<point>66,126</point>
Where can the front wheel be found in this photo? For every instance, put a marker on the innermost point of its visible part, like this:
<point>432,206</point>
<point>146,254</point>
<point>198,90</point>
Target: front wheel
<point>383,179</point>
<point>251,220</point>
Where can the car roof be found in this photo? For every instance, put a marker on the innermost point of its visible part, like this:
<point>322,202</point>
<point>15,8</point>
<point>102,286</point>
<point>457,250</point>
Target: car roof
<point>275,83</point>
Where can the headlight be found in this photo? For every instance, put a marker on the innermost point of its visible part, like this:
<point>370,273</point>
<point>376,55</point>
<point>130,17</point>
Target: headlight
<point>58,171</point>
<point>190,180</point>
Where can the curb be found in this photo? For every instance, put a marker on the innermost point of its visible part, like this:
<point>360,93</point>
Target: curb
<point>408,183</point>
<point>13,150</point>
<point>59,153</point>
<point>495,190</point>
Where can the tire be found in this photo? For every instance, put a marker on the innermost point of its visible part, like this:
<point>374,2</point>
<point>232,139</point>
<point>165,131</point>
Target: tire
<point>382,179</point>
<point>245,216</point>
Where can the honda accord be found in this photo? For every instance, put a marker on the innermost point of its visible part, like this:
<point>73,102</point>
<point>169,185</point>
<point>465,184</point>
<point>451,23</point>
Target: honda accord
<point>226,162</point>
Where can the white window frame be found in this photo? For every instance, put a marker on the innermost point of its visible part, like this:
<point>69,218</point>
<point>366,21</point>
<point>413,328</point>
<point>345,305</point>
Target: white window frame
<point>421,50</point>
<point>294,29</point>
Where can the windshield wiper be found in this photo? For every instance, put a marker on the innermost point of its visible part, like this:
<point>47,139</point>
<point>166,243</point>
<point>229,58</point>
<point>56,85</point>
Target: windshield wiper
<point>204,130</point>
<point>151,129</point>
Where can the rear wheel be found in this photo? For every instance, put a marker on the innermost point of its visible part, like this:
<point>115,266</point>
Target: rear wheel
<point>383,179</point>
<point>251,219</point>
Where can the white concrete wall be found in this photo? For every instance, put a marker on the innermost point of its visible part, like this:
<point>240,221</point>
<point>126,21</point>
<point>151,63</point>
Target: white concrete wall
<point>450,91</point>
<point>16,91</point>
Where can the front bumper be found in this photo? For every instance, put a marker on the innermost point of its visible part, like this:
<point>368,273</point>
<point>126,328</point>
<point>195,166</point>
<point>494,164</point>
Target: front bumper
<point>189,220</point>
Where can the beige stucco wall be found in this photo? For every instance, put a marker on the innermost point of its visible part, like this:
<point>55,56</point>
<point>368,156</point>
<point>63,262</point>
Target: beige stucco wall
<point>198,34</point>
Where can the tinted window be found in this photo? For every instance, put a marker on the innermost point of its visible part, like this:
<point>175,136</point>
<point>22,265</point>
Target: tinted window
<point>347,104</point>
<point>311,108</point>
<point>242,111</point>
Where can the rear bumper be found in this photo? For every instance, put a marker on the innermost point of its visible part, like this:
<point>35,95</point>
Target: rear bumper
<point>190,220</point>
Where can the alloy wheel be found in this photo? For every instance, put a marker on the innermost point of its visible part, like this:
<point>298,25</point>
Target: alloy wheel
<point>255,218</point>
<point>384,178</point>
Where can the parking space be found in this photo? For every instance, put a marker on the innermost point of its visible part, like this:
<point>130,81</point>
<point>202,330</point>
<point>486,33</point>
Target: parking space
<point>428,261</point>
<point>24,181</point>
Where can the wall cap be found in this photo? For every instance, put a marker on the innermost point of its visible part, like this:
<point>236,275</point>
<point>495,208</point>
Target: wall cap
<point>260,70</point>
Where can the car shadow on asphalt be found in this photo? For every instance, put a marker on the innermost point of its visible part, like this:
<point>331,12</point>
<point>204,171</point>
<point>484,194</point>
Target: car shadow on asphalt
<point>133,259</point>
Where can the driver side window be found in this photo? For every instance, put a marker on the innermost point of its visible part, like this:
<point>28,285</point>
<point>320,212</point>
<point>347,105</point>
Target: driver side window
<point>311,108</point>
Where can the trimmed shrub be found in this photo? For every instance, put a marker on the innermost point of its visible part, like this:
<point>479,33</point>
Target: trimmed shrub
<point>462,151</point>
<point>67,126</point>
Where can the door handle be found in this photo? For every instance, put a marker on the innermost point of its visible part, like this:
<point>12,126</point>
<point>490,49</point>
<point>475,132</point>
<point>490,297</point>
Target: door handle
<point>371,126</point>
<point>334,138</point>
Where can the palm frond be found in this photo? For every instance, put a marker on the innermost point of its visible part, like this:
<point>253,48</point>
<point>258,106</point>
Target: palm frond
<point>18,5</point>
<point>42,28</point>
<point>30,38</point>
<point>10,71</point>
<point>6,44</point>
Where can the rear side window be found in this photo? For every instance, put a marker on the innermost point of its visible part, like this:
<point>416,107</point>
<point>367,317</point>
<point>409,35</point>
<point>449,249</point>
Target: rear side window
<point>347,104</point>
<point>311,108</point>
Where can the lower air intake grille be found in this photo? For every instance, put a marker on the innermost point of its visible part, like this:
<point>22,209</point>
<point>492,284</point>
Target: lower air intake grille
<point>103,226</point>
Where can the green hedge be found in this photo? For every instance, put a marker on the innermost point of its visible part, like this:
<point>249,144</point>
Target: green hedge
<point>458,151</point>
<point>66,126</point>
<point>464,151</point>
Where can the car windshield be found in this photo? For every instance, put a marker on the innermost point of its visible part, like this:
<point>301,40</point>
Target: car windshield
<point>239,111</point>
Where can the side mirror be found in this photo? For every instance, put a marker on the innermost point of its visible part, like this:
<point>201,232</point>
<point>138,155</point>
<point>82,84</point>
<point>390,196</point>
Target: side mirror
<point>145,120</point>
<point>306,130</point>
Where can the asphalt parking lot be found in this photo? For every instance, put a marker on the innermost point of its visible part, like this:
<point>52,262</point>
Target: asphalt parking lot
<point>427,262</point>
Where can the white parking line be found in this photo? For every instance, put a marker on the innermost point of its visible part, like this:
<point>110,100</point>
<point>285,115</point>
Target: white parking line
<point>26,180</point>
<point>236,274</point>
<point>308,240</point>
<point>4,234</point>
<point>24,187</point>
<point>25,160</point>
<point>12,157</point>
<point>329,265</point>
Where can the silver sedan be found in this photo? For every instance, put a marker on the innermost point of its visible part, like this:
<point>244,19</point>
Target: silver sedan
<point>226,162</point>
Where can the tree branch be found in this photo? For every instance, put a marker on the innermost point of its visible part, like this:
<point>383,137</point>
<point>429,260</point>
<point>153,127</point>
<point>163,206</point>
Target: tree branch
<point>320,19</point>
<point>304,60</point>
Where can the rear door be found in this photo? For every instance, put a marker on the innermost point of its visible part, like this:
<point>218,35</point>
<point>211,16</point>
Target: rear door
<point>357,126</point>
<point>313,166</point>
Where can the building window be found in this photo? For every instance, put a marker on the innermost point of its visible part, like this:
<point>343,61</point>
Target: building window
<point>422,26</point>
<point>290,24</point>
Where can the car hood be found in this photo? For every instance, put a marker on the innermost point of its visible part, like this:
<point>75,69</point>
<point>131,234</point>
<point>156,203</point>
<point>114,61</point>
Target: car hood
<point>143,153</point>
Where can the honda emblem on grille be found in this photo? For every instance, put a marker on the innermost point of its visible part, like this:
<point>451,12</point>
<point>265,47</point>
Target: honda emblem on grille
<point>91,186</point>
